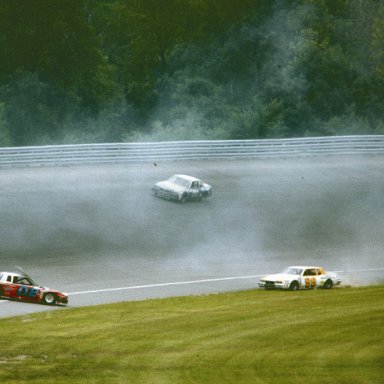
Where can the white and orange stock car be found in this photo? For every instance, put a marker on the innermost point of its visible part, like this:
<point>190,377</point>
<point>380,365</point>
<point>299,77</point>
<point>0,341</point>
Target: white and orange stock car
<point>300,277</point>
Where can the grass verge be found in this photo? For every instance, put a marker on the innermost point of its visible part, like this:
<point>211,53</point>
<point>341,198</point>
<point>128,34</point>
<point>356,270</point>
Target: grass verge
<point>334,336</point>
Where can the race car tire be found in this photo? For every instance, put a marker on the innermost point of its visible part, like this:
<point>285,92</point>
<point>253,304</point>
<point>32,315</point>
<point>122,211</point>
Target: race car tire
<point>49,299</point>
<point>1,292</point>
<point>328,284</point>
<point>183,199</point>
<point>294,286</point>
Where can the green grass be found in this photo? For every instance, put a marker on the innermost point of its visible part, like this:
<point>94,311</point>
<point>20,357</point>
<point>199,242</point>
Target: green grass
<point>333,336</point>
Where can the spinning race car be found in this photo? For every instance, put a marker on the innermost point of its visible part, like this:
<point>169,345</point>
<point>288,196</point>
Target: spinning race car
<point>20,286</point>
<point>300,277</point>
<point>182,188</point>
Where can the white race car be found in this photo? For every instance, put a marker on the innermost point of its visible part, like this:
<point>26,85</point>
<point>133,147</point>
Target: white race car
<point>182,188</point>
<point>300,277</point>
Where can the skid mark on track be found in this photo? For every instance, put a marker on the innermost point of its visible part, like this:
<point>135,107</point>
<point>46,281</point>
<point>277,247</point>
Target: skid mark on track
<point>201,281</point>
<point>165,284</point>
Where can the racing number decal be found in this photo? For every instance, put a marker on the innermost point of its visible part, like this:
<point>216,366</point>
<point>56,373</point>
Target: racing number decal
<point>27,292</point>
<point>310,282</point>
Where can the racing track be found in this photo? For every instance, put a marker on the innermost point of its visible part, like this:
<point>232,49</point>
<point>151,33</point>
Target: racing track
<point>98,233</point>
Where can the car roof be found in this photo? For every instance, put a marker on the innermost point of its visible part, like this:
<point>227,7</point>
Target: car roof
<point>186,177</point>
<point>11,274</point>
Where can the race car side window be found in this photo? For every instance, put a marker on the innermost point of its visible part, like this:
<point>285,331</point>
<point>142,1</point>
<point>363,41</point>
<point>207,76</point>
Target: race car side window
<point>24,281</point>
<point>9,278</point>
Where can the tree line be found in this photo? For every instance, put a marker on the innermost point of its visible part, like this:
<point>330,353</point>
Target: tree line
<point>76,71</point>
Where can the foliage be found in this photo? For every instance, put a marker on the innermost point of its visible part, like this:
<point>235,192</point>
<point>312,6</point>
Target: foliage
<point>244,337</point>
<point>113,70</point>
<point>4,131</point>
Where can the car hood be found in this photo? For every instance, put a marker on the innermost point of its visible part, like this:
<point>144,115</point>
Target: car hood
<point>278,277</point>
<point>207,186</point>
<point>46,289</point>
<point>168,186</point>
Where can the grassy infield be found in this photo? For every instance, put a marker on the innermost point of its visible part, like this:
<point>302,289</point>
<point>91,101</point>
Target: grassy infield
<point>334,336</point>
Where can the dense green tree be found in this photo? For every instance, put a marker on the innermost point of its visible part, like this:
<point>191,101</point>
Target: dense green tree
<point>5,140</point>
<point>50,37</point>
<point>51,68</point>
<point>53,39</point>
<point>139,36</point>
<point>34,109</point>
<point>111,70</point>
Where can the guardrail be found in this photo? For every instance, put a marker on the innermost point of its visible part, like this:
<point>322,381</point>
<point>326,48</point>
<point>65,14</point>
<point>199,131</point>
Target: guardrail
<point>189,150</point>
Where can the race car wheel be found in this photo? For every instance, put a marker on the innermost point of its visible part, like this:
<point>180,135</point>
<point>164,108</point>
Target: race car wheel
<point>183,199</point>
<point>294,286</point>
<point>49,298</point>
<point>328,284</point>
<point>1,292</point>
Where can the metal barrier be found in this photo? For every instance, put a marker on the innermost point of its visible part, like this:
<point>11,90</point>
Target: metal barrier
<point>189,150</point>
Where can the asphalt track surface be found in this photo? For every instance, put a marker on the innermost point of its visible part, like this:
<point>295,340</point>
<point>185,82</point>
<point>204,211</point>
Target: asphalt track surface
<point>98,233</point>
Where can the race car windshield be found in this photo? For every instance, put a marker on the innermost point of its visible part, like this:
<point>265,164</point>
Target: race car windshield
<point>179,181</point>
<point>292,271</point>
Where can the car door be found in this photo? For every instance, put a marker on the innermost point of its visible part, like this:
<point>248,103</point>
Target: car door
<point>195,190</point>
<point>310,278</point>
<point>321,277</point>
<point>26,290</point>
